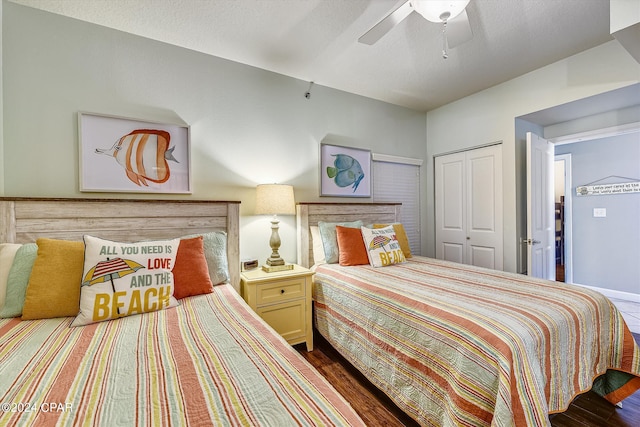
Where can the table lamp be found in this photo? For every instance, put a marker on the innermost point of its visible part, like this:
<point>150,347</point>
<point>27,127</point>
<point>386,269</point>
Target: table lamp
<point>275,199</point>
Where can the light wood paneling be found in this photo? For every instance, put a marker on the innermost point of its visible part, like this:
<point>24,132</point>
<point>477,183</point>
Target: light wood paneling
<point>24,220</point>
<point>309,214</point>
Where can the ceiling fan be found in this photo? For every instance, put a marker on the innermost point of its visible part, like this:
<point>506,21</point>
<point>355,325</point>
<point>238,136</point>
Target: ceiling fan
<point>450,13</point>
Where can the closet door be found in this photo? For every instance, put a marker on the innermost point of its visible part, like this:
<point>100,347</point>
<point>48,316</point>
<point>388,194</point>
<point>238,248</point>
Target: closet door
<point>394,181</point>
<point>484,207</point>
<point>451,214</point>
<point>469,207</point>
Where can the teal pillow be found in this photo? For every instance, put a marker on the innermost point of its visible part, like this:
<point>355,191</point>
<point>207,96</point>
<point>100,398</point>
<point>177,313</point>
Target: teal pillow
<point>330,239</point>
<point>18,280</point>
<point>215,252</point>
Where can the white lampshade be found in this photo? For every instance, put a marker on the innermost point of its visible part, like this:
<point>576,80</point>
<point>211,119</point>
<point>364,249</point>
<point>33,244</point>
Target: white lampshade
<point>439,10</point>
<point>275,199</point>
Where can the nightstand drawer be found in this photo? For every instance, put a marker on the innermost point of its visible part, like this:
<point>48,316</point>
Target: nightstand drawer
<point>283,290</point>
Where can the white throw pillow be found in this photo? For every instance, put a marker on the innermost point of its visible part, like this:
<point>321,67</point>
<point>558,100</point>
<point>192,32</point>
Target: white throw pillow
<point>382,246</point>
<point>123,279</point>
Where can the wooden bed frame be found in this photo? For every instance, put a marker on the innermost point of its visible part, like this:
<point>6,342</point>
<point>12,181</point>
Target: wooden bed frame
<point>23,220</point>
<point>308,214</point>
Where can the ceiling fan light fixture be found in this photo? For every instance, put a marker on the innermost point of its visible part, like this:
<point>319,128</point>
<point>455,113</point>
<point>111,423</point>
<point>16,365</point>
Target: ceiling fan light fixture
<point>439,10</point>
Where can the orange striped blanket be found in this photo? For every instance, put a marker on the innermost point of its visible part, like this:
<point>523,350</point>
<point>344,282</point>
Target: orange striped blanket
<point>210,361</point>
<point>460,345</point>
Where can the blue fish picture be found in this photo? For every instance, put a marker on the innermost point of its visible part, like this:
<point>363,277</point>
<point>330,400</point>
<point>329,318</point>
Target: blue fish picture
<point>345,171</point>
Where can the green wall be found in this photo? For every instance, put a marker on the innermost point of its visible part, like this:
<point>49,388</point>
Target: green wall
<point>248,126</point>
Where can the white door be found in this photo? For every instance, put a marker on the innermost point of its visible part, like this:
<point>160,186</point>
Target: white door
<point>469,207</point>
<point>451,213</point>
<point>540,208</point>
<point>484,207</point>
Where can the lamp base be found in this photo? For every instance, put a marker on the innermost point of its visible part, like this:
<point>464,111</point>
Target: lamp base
<point>275,258</point>
<point>274,268</point>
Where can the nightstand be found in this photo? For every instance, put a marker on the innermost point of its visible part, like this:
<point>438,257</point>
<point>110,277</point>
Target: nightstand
<point>283,300</point>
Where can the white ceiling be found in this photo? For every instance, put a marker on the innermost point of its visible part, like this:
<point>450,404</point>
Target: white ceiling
<point>316,40</point>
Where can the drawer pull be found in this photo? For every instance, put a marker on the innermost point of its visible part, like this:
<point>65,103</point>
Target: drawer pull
<point>282,291</point>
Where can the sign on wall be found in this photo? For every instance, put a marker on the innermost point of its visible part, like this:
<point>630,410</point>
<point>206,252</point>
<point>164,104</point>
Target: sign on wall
<point>606,189</point>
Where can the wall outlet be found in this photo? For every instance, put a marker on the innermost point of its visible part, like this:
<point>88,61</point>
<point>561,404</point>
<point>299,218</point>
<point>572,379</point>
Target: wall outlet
<point>599,212</point>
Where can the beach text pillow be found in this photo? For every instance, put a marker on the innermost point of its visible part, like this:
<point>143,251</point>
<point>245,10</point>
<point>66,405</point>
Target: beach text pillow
<point>382,246</point>
<point>401,235</point>
<point>123,279</point>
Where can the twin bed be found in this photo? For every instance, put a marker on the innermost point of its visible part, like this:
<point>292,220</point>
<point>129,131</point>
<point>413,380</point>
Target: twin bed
<point>452,344</point>
<point>208,361</point>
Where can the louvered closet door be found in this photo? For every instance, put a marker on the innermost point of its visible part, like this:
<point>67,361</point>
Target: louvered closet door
<point>400,182</point>
<point>469,207</point>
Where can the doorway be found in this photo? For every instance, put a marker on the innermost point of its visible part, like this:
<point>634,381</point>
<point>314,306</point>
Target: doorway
<point>562,198</point>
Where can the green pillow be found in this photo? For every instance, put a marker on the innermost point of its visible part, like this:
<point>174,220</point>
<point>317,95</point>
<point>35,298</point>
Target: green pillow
<point>18,280</point>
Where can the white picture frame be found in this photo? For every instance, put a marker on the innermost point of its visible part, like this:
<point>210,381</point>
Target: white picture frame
<point>345,171</point>
<point>120,154</point>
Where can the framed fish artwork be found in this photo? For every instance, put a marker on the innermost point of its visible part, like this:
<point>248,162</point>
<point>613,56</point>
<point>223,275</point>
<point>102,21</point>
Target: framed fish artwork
<point>119,154</point>
<point>344,171</point>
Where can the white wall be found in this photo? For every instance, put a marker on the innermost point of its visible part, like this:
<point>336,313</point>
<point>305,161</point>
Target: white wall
<point>558,181</point>
<point>489,116</point>
<point>248,126</point>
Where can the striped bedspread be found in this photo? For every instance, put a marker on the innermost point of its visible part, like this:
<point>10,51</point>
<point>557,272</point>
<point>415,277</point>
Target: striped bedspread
<point>459,345</point>
<point>209,362</point>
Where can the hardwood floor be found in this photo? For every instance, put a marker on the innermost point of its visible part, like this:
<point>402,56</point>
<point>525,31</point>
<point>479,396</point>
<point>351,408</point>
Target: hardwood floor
<point>376,409</point>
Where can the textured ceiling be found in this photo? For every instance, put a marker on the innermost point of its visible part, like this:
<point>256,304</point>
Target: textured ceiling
<point>316,40</point>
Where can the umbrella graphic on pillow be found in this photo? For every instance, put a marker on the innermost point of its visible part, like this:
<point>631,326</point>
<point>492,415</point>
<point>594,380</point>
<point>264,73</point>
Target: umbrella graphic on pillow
<point>109,270</point>
<point>379,241</point>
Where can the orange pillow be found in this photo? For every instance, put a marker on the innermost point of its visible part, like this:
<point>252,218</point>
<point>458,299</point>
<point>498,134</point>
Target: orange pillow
<point>191,273</point>
<point>351,246</point>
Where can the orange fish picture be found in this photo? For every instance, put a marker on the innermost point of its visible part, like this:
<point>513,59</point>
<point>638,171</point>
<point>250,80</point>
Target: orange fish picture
<point>143,154</point>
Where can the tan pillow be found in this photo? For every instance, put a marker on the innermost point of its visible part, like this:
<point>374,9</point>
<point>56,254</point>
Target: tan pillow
<point>401,235</point>
<point>318,249</point>
<point>54,284</point>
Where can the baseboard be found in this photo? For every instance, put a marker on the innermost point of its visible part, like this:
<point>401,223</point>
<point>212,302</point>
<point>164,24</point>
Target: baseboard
<point>610,293</point>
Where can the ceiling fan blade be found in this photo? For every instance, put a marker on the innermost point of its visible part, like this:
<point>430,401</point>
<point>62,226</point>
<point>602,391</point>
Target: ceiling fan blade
<point>387,23</point>
<point>459,30</point>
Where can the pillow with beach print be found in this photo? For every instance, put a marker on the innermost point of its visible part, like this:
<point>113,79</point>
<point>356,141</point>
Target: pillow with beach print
<point>123,279</point>
<point>382,246</point>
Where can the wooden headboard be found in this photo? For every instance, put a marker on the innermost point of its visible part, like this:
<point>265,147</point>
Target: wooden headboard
<point>308,214</point>
<point>23,220</point>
